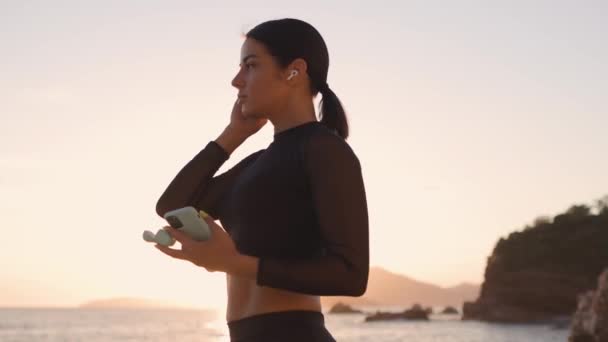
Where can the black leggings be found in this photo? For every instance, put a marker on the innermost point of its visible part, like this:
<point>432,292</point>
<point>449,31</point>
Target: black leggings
<point>283,326</point>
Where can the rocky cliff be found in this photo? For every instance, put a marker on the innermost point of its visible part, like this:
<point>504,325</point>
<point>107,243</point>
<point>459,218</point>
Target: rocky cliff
<point>536,274</point>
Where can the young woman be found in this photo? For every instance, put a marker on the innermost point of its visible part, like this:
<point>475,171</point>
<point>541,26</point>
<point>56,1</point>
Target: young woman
<point>295,213</point>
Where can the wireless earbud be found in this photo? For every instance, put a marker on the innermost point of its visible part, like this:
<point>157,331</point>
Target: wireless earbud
<point>292,74</point>
<point>162,237</point>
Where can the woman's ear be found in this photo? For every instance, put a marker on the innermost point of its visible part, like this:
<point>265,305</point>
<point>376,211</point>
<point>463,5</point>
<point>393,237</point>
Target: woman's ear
<point>299,65</point>
<point>295,73</point>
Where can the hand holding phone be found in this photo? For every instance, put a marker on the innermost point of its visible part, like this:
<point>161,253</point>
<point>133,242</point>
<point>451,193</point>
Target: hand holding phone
<point>185,219</point>
<point>188,220</point>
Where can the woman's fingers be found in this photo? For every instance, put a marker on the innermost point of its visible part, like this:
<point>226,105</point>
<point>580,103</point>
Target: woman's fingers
<point>177,235</point>
<point>211,223</point>
<point>175,253</point>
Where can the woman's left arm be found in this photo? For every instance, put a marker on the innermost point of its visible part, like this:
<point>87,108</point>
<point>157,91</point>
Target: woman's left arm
<point>341,206</point>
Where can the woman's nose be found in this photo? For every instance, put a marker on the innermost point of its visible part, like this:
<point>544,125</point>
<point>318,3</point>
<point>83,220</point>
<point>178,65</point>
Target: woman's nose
<point>237,81</point>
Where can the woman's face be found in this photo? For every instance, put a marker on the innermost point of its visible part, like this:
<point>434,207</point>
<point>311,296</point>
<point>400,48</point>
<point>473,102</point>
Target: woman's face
<point>260,81</point>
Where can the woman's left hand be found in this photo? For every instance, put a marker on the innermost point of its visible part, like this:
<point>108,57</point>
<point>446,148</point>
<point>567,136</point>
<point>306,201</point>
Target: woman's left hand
<point>219,253</point>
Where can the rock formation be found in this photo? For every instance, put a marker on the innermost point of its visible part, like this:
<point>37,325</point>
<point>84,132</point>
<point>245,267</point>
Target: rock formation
<point>414,313</point>
<point>341,308</point>
<point>450,311</point>
<point>590,322</point>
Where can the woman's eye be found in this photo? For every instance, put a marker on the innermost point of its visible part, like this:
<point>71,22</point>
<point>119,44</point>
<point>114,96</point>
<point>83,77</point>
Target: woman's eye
<point>249,66</point>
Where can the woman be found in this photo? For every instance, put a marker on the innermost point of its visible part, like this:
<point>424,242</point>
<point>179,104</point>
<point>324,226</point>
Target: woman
<point>295,213</point>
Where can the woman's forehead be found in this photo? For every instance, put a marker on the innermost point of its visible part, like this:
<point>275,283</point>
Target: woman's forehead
<point>252,48</point>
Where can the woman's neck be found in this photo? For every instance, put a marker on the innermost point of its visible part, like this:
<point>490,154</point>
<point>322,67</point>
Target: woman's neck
<point>294,115</point>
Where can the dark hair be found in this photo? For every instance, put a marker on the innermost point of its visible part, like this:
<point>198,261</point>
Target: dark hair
<point>288,39</point>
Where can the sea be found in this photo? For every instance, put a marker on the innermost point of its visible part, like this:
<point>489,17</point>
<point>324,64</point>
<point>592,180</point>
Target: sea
<point>134,325</point>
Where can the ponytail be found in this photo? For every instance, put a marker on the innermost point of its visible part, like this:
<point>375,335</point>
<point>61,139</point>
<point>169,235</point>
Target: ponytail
<point>332,113</point>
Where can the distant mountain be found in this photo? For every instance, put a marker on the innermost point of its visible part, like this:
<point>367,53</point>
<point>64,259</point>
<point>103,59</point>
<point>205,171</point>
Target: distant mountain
<point>386,288</point>
<point>125,302</point>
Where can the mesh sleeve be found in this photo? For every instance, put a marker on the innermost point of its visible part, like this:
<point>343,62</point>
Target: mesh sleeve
<point>195,185</point>
<point>338,191</point>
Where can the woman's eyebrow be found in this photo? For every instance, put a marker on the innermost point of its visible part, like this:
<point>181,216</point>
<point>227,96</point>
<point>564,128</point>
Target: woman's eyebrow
<point>249,56</point>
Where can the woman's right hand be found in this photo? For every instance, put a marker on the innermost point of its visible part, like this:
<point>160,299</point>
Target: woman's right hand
<point>246,126</point>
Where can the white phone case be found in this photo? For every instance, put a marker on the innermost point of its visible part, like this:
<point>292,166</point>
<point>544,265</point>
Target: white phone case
<point>188,221</point>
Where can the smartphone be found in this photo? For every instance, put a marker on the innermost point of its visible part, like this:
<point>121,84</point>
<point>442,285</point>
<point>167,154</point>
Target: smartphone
<point>188,220</point>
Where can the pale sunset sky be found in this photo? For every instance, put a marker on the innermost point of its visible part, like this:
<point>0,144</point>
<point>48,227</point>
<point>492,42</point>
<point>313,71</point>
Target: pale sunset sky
<point>470,119</point>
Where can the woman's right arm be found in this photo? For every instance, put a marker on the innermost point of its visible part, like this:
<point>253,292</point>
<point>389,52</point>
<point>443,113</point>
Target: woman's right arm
<point>195,185</point>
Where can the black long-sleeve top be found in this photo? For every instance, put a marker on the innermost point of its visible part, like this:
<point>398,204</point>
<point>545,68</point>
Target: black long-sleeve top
<point>299,205</point>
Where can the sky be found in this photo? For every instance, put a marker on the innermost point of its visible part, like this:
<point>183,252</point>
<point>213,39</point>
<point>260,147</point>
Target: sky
<point>470,119</point>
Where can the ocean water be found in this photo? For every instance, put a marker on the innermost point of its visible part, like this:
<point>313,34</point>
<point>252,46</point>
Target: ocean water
<point>104,325</point>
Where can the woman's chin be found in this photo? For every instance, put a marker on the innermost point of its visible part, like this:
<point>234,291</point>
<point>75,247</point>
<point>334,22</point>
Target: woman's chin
<point>245,111</point>
<point>250,114</point>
